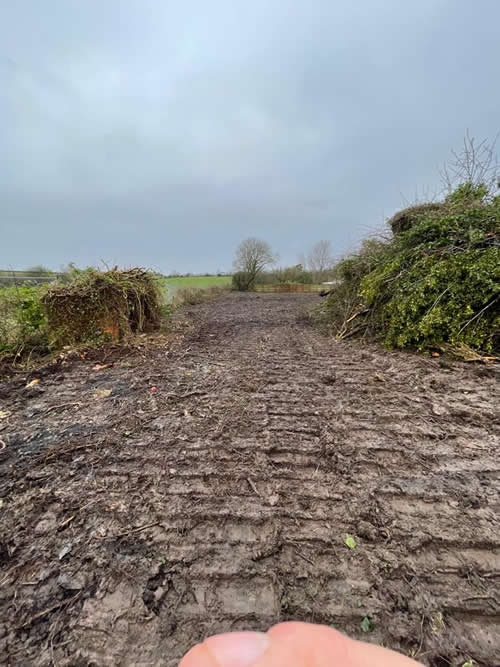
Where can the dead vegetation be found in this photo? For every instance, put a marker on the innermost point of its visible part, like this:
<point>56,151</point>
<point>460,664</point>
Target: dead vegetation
<point>90,307</point>
<point>100,304</point>
<point>194,295</point>
<point>404,220</point>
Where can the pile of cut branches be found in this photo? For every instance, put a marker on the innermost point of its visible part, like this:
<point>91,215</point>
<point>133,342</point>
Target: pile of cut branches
<point>100,305</point>
<point>437,281</point>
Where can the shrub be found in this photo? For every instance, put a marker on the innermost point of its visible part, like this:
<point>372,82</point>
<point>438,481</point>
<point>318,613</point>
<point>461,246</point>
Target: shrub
<point>23,321</point>
<point>242,281</point>
<point>290,274</point>
<point>39,269</point>
<point>294,274</point>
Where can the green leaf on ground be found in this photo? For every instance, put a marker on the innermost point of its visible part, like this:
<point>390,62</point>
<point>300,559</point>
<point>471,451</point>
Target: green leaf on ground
<point>367,624</point>
<point>350,541</point>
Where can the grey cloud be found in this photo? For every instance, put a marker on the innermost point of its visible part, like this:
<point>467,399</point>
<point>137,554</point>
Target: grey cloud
<point>162,133</point>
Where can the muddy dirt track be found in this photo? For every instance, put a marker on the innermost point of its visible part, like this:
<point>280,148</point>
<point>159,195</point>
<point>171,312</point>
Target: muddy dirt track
<point>134,522</point>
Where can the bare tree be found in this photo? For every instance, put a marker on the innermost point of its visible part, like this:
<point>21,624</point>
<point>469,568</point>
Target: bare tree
<point>320,259</point>
<point>251,257</point>
<point>475,163</point>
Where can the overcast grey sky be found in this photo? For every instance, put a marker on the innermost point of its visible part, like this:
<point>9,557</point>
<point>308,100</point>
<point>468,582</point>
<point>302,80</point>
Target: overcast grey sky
<point>161,133</point>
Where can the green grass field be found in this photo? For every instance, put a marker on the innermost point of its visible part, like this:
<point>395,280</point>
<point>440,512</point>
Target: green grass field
<point>196,282</point>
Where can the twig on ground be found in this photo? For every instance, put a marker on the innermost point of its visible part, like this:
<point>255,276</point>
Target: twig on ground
<point>131,532</point>
<point>70,518</point>
<point>62,405</point>
<point>253,487</point>
<point>66,522</point>
<point>49,610</point>
<point>181,397</point>
<point>301,555</point>
<point>68,450</point>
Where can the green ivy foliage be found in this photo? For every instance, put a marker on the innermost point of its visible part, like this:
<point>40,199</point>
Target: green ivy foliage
<point>439,281</point>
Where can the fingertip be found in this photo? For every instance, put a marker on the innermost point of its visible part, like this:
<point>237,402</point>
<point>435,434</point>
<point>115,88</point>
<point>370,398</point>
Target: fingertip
<point>297,629</point>
<point>237,649</point>
<point>198,656</point>
<point>291,644</point>
<point>309,644</point>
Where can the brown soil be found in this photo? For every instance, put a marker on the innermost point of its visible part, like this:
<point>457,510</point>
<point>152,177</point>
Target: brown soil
<point>134,524</point>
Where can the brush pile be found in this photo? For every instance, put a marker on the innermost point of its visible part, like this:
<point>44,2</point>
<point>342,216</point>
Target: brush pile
<point>100,305</point>
<point>435,283</point>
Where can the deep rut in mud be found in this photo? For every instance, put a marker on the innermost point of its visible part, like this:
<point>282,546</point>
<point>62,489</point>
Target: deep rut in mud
<point>134,523</point>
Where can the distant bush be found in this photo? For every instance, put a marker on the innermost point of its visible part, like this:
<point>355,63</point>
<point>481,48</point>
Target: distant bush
<point>289,274</point>
<point>39,269</point>
<point>293,274</point>
<point>437,281</point>
<point>242,281</point>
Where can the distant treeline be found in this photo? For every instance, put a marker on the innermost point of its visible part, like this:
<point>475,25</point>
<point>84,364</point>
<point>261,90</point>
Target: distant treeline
<point>29,277</point>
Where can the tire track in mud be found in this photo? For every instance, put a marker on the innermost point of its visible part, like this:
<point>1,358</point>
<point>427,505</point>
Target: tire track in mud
<point>224,500</point>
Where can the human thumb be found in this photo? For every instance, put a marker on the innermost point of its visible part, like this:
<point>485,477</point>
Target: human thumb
<point>291,645</point>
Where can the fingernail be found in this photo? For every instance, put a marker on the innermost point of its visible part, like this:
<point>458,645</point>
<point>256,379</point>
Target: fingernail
<point>238,649</point>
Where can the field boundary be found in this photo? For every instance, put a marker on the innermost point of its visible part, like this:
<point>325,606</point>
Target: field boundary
<point>9,278</point>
